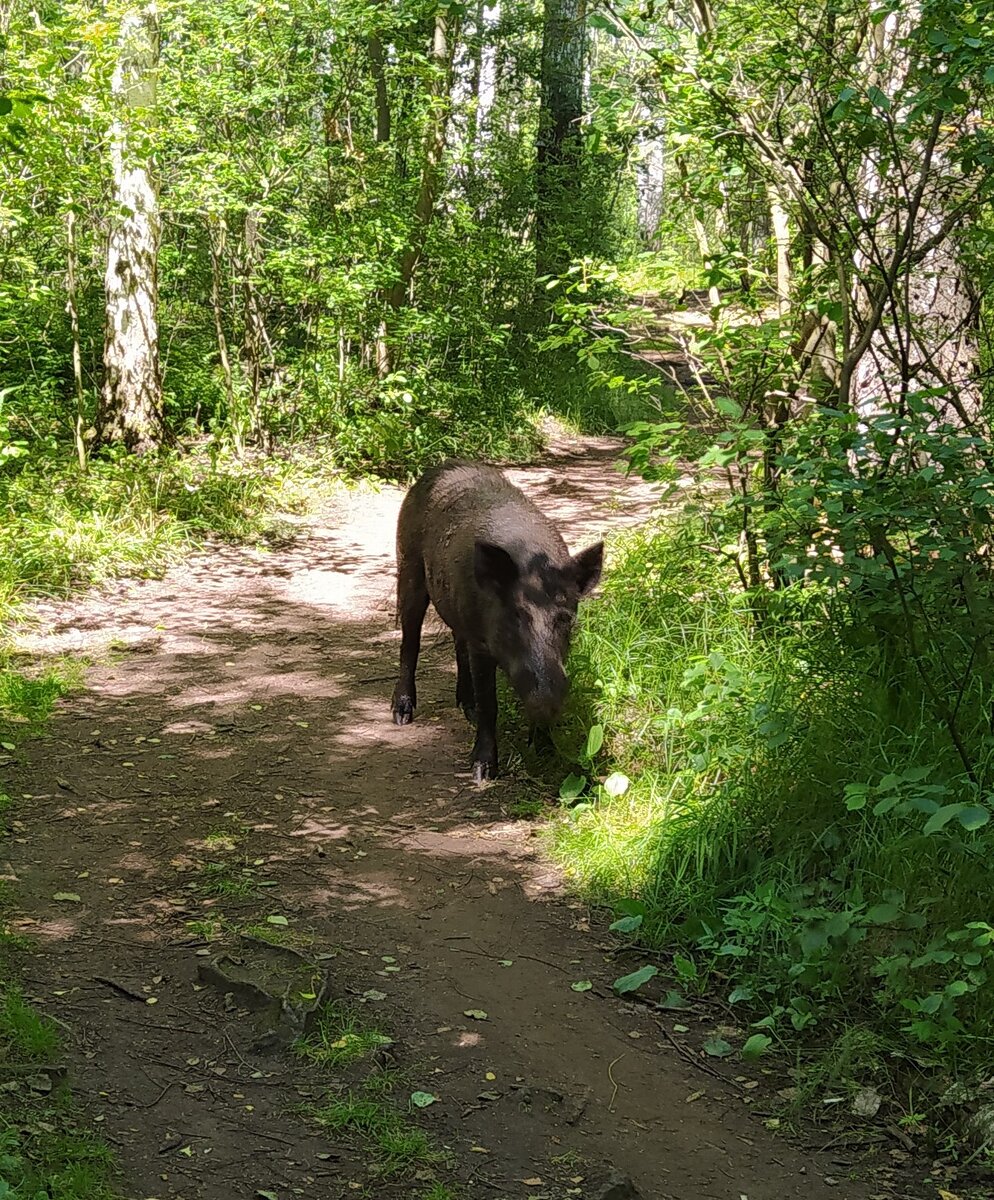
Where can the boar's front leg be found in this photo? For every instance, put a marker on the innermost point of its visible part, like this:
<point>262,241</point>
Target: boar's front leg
<point>465,692</point>
<point>412,604</point>
<point>484,670</point>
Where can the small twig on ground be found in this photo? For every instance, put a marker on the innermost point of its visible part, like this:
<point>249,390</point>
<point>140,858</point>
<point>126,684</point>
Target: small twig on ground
<point>121,988</point>
<point>610,1075</point>
<point>692,1058</point>
<point>484,954</point>
<point>153,1103</point>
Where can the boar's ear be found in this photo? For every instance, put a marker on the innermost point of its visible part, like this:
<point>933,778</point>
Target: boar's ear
<point>494,567</point>
<point>587,567</point>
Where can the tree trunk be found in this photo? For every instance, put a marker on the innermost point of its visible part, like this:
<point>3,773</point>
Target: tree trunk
<point>651,190</point>
<point>377,65</point>
<point>912,318</point>
<point>700,229</point>
<point>72,308</point>
<point>217,233</point>
<point>131,399</point>
<point>780,224</point>
<point>254,336</point>
<point>477,47</point>
<point>559,162</point>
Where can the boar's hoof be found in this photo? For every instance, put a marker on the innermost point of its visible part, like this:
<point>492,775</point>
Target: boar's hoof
<point>403,710</point>
<point>484,767</point>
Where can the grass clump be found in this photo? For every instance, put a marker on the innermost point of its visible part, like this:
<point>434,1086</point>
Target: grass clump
<point>52,1165</point>
<point>26,1035</point>
<point>344,1040</point>
<point>340,1037</point>
<point>220,879</point>
<point>756,796</point>
<point>396,1146</point>
<point>43,1153</point>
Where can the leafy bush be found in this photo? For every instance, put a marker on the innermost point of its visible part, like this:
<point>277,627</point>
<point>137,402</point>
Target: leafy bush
<point>815,843</point>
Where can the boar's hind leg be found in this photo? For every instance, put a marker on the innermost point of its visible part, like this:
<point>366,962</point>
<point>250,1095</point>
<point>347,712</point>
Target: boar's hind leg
<point>412,604</point>
<point>485,688</point>
<point>465,693</point>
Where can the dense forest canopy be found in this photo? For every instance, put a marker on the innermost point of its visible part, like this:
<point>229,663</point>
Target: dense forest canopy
<point>755,238</point>
<point>332,217</point>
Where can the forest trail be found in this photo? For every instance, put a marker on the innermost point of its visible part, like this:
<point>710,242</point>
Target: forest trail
<point>245,719</point>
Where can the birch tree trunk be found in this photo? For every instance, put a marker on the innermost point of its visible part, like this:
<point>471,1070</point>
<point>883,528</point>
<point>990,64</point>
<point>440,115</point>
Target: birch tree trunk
<point>72,308</point>
<point>780,223</point>
<point>913,314</point>
<point>130,410</point>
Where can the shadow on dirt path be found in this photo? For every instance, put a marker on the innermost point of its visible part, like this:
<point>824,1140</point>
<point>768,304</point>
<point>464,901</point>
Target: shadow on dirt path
<point>245,719</point>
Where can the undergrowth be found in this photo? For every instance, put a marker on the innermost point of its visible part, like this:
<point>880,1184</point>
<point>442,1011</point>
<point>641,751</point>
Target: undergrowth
<point>769,809</point>
<point>62,528</point>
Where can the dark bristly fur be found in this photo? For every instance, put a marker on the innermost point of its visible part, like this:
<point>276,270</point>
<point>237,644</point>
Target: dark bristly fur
<point>501,578</point>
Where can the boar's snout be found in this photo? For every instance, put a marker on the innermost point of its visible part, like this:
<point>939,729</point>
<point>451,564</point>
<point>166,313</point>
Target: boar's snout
<point>542,696</point>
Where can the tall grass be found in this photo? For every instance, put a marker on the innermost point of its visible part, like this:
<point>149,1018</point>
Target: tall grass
<point>790,821</point>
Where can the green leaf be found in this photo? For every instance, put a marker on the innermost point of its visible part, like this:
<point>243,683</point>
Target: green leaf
<point>939,819</point>
<point>597,20</point>
<point>277,921</point>
<point>973,816</point>
<point>571,787</point>
<point>883,914</point>
<point>423,1099</point>
<point>756,1046</point>
<point>595,739</point>
<point>626,924</point>
<point>632,982</point>
<point>717,1047</point>
<point>581,985</point>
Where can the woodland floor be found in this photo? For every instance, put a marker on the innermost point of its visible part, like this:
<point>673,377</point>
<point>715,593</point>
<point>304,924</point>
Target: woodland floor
<point>239,713</point>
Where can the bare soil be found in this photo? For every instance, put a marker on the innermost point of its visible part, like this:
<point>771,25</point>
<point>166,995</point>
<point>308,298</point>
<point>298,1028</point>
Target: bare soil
<point>242,716</point>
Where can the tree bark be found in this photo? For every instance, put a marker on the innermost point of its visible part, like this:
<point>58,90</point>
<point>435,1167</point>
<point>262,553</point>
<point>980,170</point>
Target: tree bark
<point>559,159</point>
<point>72,308</point>
<point>912,311</point>
<point>700,229</point>
<point>377,65</point>
<point>217,233</point>
<point>130,410</point>
<point>476,47</point>
<point>254,336</point>
<point>780,224</point>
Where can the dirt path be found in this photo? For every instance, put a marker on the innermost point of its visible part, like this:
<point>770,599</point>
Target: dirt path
<point>246,720</point>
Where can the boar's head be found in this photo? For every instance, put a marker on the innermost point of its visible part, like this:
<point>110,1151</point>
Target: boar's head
<point>529,610</point>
